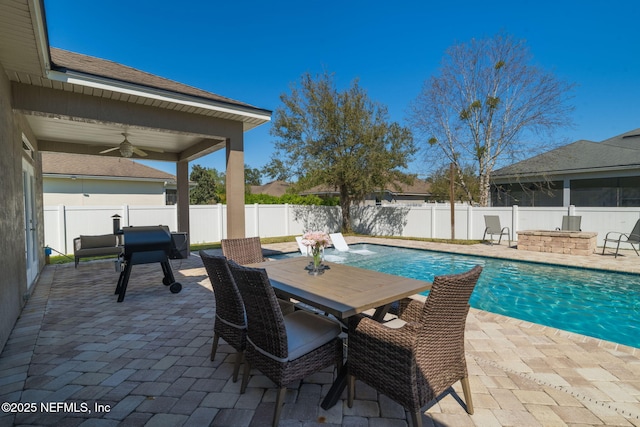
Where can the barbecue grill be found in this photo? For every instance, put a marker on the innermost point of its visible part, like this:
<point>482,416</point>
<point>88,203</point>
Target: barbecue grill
<point>146,245</point>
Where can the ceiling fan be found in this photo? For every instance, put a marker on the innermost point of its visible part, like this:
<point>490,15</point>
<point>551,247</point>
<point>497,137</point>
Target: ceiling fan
<point>127,149</point>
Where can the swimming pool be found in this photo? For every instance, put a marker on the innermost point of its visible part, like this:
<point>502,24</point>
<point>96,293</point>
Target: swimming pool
<point>595,303</point>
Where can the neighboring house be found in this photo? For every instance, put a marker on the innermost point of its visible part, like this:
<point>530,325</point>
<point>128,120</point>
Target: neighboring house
<point>584,173</point>
<point>83,180</point>
<point>273,188</point>
<point>395,193</point>
<point>52,100</point>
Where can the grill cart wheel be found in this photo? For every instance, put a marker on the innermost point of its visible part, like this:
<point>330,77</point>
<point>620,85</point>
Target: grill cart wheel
<point>166,281</point>
<point>175,288</point>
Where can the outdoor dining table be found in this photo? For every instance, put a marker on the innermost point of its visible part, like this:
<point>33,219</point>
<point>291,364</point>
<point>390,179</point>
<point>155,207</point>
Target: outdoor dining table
<point>342,291</point>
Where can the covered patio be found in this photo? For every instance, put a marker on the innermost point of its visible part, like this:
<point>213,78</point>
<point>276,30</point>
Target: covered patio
<point>146,361</point>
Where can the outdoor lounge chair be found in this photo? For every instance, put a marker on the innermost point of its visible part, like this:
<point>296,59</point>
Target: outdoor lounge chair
<point>570,223</point>
<point>304,251</point>
<point>492,227</point>
<point>632,238</point>
<point>285,348</point>
<point>341,245</point>
<point>420,360</point>
<point>247,250</point>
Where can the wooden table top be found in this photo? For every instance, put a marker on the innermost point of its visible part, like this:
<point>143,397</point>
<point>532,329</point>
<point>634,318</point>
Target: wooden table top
<point>342,290</point>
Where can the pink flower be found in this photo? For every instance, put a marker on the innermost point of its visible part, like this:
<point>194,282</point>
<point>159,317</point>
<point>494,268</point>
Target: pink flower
<point>316,239</point>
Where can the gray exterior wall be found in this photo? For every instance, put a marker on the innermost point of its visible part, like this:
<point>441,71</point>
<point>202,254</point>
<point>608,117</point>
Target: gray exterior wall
<point>13,279</point>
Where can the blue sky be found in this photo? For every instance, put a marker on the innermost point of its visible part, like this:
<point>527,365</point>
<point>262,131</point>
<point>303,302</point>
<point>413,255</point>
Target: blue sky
<point>254,51</point>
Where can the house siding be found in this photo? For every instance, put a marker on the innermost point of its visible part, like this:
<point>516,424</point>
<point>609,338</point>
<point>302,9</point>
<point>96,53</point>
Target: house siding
<point>13,280</point>
<point>94,192</point>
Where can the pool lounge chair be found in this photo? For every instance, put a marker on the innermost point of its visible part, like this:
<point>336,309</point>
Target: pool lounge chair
<point>492,227</point>
<point>632,238</point>
<point>327,257</point>
<point>341,245</point>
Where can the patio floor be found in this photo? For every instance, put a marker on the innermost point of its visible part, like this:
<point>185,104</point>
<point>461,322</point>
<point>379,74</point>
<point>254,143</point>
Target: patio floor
<point>145,361</point>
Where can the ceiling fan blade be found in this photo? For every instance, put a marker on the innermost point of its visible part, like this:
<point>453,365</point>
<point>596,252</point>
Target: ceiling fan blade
<point>139,152</point>
<point>109,150</point>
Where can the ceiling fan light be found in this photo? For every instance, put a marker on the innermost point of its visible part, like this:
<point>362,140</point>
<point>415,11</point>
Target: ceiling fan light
<point>126,149</point>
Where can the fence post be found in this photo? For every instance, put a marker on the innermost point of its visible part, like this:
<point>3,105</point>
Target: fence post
<point>62,226</point>
<point>125,215</point>
<point>514,222</point>
<point>286,219</point>
<point>220,221</point>
<point>256,219</point>
<point>433,221</point>
<point>469,221</point>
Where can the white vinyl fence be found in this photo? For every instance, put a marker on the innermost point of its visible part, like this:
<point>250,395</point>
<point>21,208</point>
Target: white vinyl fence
<point>208,222</point>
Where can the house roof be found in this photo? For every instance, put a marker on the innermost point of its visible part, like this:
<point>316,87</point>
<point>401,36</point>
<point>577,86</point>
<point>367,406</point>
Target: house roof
<point>418,188</point>
<point>617,153</point>
<point>63,60</point>
<point>65,164</point>
<point>273,188</point>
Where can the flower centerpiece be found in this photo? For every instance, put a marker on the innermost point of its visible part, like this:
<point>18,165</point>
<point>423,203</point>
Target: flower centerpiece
<point>316,241</point>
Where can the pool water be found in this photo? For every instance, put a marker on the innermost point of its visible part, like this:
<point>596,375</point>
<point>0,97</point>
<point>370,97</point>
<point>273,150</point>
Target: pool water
<point>595,303</point>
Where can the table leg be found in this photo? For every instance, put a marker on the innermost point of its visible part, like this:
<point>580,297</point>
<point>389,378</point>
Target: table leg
<point>336,389</point>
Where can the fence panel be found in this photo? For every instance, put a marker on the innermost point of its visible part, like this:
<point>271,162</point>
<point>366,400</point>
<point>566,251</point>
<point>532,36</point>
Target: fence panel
<point>208,222</point>
<point>153,215</point>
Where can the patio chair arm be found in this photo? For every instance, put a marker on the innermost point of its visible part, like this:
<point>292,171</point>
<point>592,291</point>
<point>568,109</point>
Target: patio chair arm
<point>367,332</point>
<point>620,236</point>
<point>410,310</point>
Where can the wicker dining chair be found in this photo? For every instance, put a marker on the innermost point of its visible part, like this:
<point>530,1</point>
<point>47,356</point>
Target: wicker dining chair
<point>284,348</point>
<point>230,321</point>
<point>246,250</point>
<point>417,362</point>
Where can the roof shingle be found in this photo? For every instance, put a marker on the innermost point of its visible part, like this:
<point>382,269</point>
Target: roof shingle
<point>107,166</point>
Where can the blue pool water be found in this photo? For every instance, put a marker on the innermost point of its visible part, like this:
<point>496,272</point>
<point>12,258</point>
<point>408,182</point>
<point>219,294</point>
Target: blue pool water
<point>595,303</point>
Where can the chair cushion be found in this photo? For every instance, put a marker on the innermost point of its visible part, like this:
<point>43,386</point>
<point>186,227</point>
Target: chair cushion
<point>394,323</point>
<point>307,331</point>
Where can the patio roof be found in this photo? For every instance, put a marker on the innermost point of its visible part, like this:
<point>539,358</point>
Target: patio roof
<point>147,360</point>
<point>48,83</point>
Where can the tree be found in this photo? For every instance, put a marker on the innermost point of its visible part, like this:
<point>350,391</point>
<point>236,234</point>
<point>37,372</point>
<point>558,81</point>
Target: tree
<point>486,104</point>
<point>342,140</point>
<point>209,186</point>
<point>252,176</point>
<point>440,182</point>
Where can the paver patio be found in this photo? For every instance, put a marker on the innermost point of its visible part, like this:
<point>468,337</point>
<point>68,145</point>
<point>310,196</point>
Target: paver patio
<point>145,361</point>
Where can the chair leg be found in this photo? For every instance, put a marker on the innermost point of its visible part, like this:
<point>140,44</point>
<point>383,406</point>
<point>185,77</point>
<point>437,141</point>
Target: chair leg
<point>279,402</point>
<point>214,346</point>
<point>351,390</point>
<point>416,419</point>
<point>466,389</point>
<point>245,376</point>
<point>236,367</point>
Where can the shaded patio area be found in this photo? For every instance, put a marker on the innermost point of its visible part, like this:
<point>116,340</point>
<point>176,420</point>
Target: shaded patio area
<point>145,361</point>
